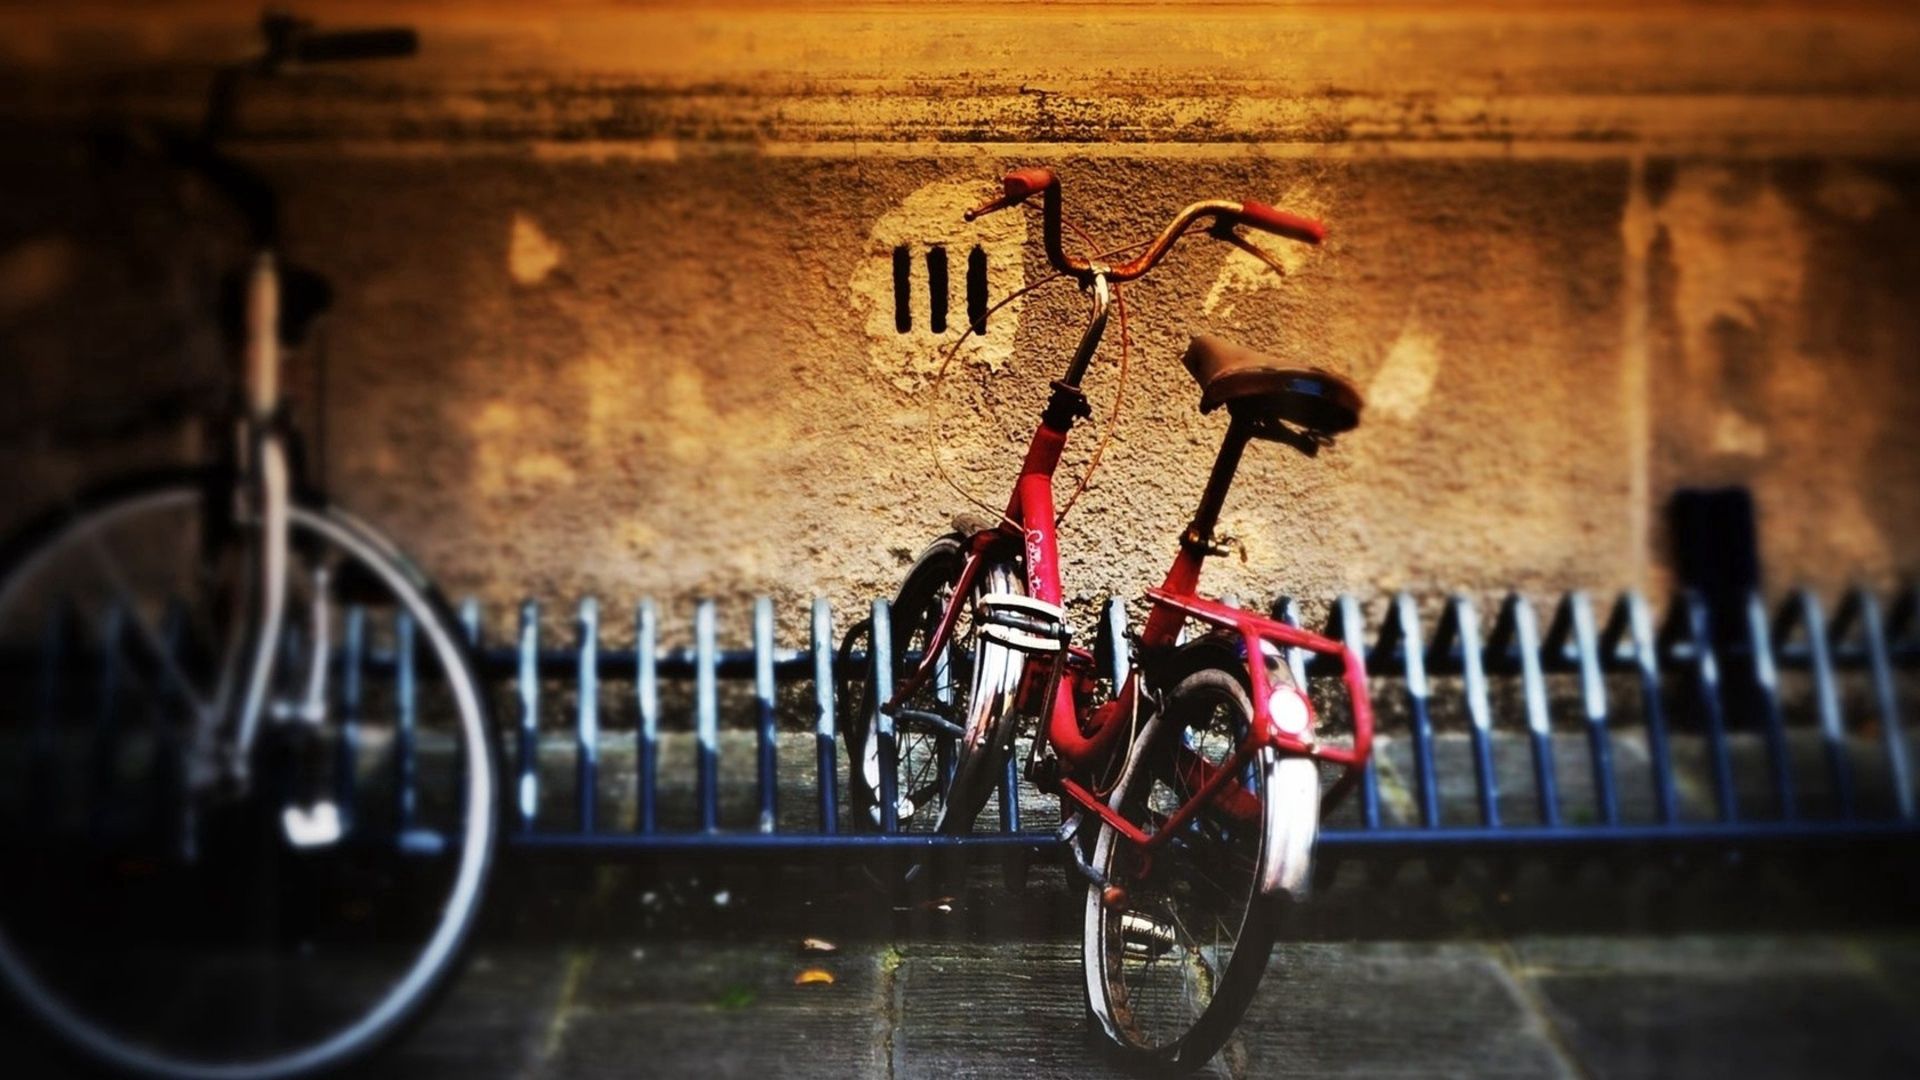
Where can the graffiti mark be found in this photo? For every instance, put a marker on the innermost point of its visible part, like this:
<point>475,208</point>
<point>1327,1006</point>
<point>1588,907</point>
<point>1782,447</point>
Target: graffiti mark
<point>902,289</point>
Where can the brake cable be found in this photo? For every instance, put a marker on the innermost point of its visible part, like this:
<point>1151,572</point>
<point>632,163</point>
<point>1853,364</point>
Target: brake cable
<point>939,376</point>
<point>1113,416</point>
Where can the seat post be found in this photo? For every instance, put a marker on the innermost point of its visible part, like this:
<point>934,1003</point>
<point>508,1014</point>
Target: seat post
<point>1198,539</point>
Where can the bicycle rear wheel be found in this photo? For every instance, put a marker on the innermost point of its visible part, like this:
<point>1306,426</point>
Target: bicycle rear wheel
<point>1172,967</point>
<point>163,926</point>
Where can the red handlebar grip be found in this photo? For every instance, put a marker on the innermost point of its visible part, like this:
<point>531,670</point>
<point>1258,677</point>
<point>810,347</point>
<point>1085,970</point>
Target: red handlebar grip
<point>1021,183</point>
<point>1280,223</point>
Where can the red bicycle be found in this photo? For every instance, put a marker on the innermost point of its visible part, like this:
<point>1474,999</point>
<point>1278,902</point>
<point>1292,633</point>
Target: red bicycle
<point>1201,770</point>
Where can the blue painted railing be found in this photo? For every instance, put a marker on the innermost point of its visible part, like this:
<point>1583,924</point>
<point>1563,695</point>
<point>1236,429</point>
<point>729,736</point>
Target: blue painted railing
<point>1675,660</point>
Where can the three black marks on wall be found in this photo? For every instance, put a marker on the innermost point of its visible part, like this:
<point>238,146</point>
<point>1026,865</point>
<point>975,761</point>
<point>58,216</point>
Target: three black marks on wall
<point>937,289</point>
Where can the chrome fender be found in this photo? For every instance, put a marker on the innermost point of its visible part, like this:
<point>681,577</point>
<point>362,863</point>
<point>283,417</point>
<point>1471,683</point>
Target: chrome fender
<point>1292,822</point>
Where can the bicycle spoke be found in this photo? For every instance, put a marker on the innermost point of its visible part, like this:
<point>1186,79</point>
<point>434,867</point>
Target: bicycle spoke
<point>110,567</point>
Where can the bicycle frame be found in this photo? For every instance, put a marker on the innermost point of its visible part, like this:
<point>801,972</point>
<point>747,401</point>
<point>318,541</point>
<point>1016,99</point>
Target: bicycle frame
<point>261,468</point>
<point>1087,742</point>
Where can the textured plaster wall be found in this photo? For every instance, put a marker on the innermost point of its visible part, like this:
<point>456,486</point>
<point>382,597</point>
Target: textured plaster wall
<point>616,313</point>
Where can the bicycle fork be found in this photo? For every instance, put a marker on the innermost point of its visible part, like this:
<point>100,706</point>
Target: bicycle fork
<point>223,743</point>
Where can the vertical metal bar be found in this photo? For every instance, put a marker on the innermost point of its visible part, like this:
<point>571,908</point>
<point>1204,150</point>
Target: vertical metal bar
<point>707,715</point>
<point>1827,699</point>
<point>346,762</point>
<point>42,754</point>
<point>406,765</point>
<point>1635,618</point>
<point>824,738</point>
<point>1286,611</point>
<point>528,765</point>
<point>1479,713</point>
<point>470,626</point>
<point>946,755</point>
<point>880,677</point>
<point>1349,626</point>
<point>1706,674</point>
<point>1766,681</point>
<point>646,688</point>
<point>1114,630</point>
<point>1403,628</point>
<point>470,621</point>
<point>1526,643</point>
<point>1010,796</point>
<point>106,719</point>
<point>1892,727</point>
<point>1900,620</point>
<point>763,696</point>
<point>169,762</point>
<point>1578,610</point>
<point>587,722</point>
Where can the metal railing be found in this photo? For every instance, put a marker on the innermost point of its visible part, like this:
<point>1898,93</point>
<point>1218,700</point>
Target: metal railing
<point>1715,695</point>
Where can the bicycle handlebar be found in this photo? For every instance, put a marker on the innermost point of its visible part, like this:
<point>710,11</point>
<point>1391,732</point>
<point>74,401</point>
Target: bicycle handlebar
<point>1022,184</point>
<point>356,45</point>
<point>1280,223</point>
<point>288,39</point>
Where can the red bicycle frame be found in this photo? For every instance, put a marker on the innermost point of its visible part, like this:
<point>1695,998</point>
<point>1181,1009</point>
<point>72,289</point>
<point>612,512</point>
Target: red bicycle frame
<point>1086,743</point>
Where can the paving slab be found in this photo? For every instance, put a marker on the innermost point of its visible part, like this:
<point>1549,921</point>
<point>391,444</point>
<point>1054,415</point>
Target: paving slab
<point>694,1040</point>
<point>758,974</point>
<point>1729,956</point>
<point>1898,963</point>
<point>1751,1025</point>
<point>1752,1005</point>
<point>496,1019</point>
<point>1391,1009</point>
<point>1012,1010</point>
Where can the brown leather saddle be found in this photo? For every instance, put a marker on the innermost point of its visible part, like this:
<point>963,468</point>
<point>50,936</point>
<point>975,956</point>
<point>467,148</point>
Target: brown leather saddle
<point>1258,387</point>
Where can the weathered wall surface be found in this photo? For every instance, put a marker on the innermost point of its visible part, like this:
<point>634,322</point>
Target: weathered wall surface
<point>616,309</point>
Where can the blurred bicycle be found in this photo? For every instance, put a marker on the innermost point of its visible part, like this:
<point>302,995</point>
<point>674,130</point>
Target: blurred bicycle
<point>248,800</point>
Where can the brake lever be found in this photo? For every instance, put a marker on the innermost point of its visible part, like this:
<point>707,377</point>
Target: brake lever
<point>1224,230</point>
<point>998,202</point>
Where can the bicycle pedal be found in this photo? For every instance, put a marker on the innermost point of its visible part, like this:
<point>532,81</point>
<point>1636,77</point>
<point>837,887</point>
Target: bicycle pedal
<point>1024,624</point>
<point>311,827</point>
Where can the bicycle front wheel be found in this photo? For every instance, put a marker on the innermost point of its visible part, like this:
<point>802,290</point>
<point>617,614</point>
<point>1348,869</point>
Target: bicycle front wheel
<point>163,923</point>
<point>1174,954</point>
<point>943,780</point>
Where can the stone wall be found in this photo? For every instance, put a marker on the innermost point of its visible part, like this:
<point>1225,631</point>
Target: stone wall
<point>616,307</point>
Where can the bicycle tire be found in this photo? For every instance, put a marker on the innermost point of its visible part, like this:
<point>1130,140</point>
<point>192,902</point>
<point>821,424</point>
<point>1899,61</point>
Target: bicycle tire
<point>1184,1033</point>
<point>977,760</point>
<point>426,971</point>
